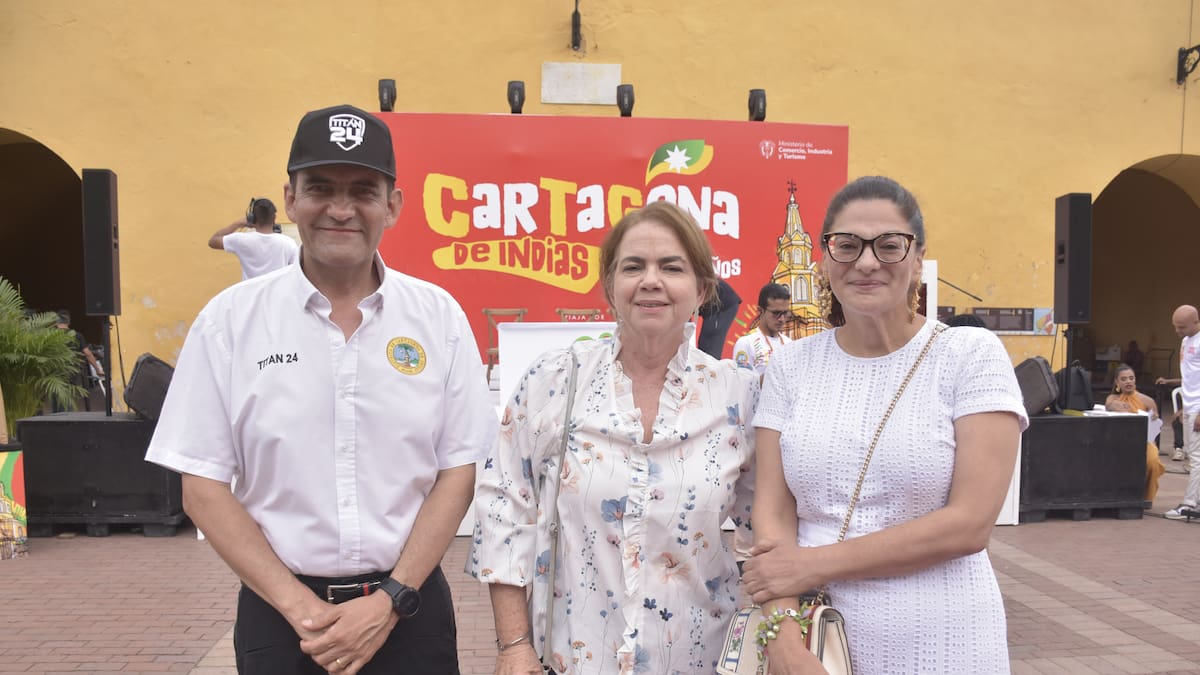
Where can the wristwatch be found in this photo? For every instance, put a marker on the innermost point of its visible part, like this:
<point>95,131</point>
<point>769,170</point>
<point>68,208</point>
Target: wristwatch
<point>406,600</point>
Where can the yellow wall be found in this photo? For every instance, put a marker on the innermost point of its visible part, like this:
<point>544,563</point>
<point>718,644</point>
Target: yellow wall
<point>987,109</point>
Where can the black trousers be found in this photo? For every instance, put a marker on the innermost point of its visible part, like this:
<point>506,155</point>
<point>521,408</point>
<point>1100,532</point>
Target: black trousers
<point>264,643</point>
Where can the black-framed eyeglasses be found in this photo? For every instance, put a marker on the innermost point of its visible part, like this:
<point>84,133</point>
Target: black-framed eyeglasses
<point>889,247</point>
<point>780,313</point>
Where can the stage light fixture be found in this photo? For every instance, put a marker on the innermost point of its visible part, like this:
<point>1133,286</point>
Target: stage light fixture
<point>516,96</point>
<point>387,95</point>
<point>758,105</point>
<point>625,99</point>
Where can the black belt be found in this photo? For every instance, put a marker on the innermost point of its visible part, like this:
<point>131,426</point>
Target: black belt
<point>337,590</point>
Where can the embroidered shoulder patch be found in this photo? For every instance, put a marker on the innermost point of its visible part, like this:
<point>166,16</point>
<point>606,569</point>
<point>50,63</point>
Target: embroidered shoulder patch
<point>406,355</point>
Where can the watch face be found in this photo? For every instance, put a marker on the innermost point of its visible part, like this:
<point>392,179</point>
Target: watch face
<point>407,602</point>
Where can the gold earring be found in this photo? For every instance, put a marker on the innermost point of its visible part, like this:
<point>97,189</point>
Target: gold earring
<point>914,303</point>
<point>824,297</point>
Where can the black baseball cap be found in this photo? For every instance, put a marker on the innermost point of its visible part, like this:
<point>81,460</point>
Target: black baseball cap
<point>343,134</point>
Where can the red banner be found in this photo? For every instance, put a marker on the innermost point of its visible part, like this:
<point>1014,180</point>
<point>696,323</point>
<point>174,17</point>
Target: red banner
<point>508,211</point>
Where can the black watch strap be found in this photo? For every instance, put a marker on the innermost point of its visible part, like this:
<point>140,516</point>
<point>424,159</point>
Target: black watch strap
<point>406,600</point>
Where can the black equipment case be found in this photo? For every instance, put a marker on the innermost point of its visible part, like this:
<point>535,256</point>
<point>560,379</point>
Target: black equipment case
<point>1038,387</point>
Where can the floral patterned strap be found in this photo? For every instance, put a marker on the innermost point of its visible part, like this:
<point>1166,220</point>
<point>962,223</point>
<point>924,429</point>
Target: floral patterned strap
<point>547,633</point>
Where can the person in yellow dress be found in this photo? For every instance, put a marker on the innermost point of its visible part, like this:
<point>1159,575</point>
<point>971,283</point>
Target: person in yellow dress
<point>1126,398</point>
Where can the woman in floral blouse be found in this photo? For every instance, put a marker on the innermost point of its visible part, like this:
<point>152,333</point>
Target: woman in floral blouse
<point>659,454</point>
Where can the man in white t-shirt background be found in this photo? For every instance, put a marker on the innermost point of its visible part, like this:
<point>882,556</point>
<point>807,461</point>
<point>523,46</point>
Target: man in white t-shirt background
<point>1186,321</point>
<point>753,350</point>
<point>263,249</point>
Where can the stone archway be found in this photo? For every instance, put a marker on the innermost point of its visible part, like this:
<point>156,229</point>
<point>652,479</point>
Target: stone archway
<point>1145,248</point>
<point>41,230</point>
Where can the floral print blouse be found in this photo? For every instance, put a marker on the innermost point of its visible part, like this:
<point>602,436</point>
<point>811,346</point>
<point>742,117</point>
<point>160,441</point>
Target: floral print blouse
<point>645,583</point>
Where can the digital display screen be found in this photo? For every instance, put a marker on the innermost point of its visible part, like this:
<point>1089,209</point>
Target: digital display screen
<point>1015,319</point>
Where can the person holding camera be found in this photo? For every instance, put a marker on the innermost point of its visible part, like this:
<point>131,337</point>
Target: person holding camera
<point>263,249</point>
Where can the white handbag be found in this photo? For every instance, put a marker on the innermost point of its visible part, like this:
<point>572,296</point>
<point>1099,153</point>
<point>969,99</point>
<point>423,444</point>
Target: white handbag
<point>826,639</point>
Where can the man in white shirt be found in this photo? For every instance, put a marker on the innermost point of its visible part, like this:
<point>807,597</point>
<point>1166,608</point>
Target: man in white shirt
<point>263,249</point>
<point>350,403</point>
<point>1186,321</point>
<point>753,350</point>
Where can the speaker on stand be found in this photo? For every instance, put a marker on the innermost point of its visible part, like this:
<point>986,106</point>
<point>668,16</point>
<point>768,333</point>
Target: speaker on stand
<point>1072,268</point>
<point>101,259</point>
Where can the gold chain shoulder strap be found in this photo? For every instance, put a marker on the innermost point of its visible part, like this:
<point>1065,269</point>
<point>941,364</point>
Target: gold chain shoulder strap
<point>862,474</point>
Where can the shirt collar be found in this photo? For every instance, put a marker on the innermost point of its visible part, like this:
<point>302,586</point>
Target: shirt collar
<point>308,296</point>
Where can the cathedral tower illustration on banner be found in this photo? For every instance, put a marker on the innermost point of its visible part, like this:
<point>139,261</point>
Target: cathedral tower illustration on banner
<point>797,270</point>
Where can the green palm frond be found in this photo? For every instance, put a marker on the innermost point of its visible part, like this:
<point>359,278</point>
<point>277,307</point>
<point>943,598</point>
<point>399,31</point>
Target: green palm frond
<point>11,304</point>
<point>37,360</point>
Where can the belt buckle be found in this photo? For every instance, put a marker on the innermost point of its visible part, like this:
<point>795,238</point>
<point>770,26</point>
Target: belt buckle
<point>348,591</point>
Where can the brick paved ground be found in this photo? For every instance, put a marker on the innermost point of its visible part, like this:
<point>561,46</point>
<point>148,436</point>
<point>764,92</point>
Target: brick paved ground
<point>1102,596</point>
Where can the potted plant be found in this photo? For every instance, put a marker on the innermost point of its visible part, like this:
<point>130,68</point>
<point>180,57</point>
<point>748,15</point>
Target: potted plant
<point>37,360</point>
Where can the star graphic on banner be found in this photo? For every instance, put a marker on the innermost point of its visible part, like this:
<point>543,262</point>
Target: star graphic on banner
<point>677,160</point>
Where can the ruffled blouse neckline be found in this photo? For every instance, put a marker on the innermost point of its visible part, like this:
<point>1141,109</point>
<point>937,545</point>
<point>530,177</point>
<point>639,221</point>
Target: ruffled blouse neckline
<point>669,402</point>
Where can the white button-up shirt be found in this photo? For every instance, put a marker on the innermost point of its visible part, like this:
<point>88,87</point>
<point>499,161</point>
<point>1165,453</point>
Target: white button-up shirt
<point>754,349</point>
<point>335,443</point>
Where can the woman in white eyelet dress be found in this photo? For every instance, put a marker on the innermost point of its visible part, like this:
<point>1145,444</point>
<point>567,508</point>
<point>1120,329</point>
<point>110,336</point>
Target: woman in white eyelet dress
<point>912,577</point>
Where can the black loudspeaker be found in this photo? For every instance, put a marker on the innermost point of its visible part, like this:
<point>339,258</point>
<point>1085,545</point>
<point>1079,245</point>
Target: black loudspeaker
<point>88,469</point>
<point>101,262</point>
<point>148,386</point>
<point>1073,258</point>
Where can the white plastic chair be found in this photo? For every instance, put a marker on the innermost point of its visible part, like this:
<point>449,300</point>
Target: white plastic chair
<point>1176,406</point>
